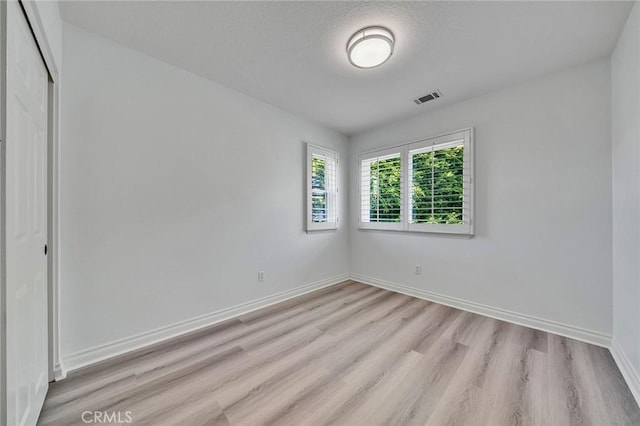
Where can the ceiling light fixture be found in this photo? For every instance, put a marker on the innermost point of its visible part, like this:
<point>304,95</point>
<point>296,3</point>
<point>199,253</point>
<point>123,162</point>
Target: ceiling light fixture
<point>370,47</point>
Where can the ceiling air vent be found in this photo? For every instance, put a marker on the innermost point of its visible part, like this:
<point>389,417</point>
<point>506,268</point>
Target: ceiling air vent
<point>429,97</point>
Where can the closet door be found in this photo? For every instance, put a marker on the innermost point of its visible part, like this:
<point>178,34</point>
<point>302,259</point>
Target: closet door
<point>26,226</point>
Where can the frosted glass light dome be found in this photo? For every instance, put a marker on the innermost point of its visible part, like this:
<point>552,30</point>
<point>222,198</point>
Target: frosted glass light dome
<point>370,47</point>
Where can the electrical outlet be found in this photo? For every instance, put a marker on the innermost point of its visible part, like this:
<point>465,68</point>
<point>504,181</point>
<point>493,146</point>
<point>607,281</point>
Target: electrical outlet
<point>418,270</point>
<point>260,276</point>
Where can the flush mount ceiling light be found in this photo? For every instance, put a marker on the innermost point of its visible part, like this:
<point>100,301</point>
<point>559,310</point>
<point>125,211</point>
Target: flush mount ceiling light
<point>370,47</point>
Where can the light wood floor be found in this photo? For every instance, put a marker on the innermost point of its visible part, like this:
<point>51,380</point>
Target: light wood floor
<point>352,354</point>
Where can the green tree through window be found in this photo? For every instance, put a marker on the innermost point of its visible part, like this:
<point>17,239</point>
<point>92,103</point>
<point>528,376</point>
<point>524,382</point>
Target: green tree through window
<point>437,186</point>
<point>385,190</point>
<point>318,190</point>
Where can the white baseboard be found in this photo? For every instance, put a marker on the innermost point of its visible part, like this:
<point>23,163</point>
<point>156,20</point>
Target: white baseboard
<point>629,373</point>
<point>554,327</point>
<point>128,344</point>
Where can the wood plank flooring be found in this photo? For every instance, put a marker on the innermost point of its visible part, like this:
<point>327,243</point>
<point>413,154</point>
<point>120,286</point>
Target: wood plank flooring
<point>352,354</point>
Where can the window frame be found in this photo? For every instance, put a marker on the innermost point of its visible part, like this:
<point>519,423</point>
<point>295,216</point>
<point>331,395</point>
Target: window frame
<point>405,224</point>
<point>332,195</point>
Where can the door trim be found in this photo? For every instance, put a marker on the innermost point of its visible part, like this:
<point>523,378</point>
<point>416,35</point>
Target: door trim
<point>3,162</point>
<point>35,22</point>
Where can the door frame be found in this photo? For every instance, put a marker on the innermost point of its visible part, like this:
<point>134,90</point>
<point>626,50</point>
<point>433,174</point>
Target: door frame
<point>56,369</point>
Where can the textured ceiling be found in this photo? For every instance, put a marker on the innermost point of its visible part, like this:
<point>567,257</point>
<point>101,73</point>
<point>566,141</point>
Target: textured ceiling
<point>292,54</point>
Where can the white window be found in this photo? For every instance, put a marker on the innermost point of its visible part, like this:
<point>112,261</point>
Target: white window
<point>322,188</point>
<point>426,186</point>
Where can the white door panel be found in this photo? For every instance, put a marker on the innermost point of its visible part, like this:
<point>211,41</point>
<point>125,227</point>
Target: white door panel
<point>26,302</point>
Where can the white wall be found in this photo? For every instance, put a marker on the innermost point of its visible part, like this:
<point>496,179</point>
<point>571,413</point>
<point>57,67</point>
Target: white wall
<point>625,65</point>
<point>175,192</point>
<point>543,204</point>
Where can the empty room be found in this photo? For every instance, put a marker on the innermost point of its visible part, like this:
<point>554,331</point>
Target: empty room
<point>307,213</point>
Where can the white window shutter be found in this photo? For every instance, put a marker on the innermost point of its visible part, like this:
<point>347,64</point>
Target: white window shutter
<point>322,188</point>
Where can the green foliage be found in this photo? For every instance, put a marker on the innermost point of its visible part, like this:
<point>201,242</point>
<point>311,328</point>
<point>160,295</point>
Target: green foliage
<point>317,172</point>
<point>437,192</point>
<point>385,191</point>
<point>318,190</point>
<point>438,186</point>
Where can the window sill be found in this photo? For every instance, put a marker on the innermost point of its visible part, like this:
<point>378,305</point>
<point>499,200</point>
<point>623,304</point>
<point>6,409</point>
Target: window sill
<point>322,227</point>
<point>462,231</point>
